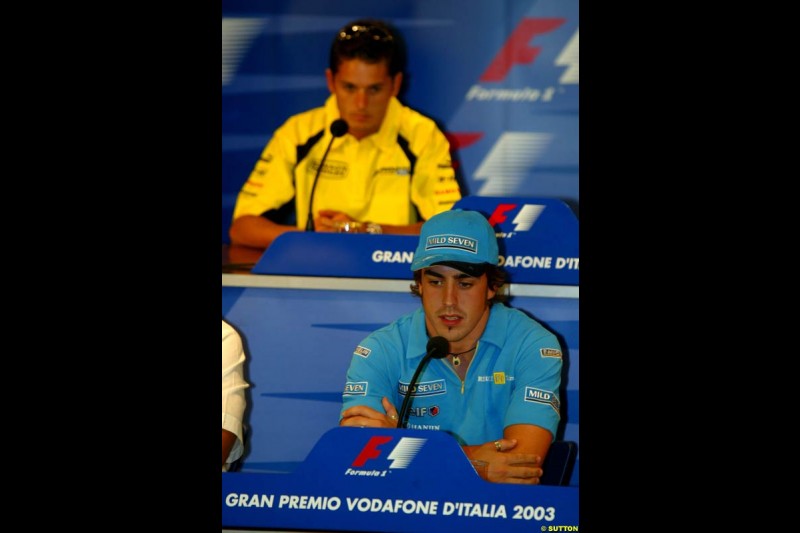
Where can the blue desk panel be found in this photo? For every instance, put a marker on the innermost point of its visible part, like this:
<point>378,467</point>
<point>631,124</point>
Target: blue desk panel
<point>537,240</point>
<point>299,341</point>
<point>365,479</point>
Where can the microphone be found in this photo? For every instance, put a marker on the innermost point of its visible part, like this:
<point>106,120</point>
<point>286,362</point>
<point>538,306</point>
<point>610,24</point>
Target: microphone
<point>338,128</point>
<point>437,348</point>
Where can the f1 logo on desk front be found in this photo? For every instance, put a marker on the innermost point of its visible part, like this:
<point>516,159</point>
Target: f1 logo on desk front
<point>400,456</point>
<point>524,219</point>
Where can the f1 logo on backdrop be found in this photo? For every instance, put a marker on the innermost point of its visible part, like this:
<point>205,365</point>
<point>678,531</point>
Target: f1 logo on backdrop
<point>400,457</point>
<point>515,154</point>
<point>518,49</point>
<point>522,221</point>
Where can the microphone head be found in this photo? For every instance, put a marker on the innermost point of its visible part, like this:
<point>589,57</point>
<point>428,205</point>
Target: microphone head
<point>339,127</point>
<point>437,347</point>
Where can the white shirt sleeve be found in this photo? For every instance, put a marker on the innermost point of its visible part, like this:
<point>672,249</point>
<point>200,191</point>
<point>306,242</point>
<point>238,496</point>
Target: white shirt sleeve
<point>233,385</point>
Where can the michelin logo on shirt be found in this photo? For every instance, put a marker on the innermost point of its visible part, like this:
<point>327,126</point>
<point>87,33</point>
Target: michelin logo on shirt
<point>550,352</point>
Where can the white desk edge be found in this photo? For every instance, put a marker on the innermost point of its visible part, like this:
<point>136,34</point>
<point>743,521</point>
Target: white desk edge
<point>376,285</point>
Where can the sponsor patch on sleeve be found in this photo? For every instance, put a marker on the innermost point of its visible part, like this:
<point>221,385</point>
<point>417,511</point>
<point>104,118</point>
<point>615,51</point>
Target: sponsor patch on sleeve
<point>355,388</point>
<point>363,352</point>
<point>532,394</point>
<point>550,352</point>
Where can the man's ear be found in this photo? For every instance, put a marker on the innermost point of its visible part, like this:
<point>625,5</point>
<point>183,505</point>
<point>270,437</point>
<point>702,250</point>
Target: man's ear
<point>397,82</point>
<point>329,79</point>
<point>490,290</point>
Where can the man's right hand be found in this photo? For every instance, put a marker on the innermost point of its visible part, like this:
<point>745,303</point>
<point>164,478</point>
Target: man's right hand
<point>363,416</point>
<point>327,219</point>
<point>506,466</point>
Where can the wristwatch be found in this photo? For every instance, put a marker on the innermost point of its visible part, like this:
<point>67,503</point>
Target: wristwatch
<point>373,228</point>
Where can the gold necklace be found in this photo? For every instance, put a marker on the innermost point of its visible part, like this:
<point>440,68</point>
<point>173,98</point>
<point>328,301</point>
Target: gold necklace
<point>457,359</point>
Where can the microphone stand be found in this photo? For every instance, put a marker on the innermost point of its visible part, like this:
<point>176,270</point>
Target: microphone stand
<point>338,128</point>
<point>437,348</point>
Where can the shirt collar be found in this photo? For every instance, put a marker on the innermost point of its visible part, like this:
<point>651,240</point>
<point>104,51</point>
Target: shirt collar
<point>497,326</point>
<point>331,114</point>
<point>418,340</point>
<point>387,135</point>
<point>495,332</point>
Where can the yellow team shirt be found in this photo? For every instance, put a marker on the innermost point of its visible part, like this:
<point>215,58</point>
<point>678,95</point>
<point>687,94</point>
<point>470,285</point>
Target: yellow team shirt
<point>395,176</point>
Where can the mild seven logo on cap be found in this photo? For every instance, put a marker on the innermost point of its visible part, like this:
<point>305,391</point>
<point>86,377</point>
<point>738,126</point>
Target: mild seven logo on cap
<point>456,242</point>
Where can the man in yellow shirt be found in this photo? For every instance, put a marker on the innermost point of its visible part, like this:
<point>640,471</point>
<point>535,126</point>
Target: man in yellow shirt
<point>389,173</point>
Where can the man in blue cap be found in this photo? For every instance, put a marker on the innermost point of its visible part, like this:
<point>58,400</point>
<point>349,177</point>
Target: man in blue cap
<point>496,390</point>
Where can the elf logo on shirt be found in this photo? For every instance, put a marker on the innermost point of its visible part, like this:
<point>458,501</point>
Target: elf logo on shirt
<point>423,411</point>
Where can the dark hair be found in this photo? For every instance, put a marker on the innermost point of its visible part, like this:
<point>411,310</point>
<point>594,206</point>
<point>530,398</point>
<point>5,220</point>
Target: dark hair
<point>369,40</point>
<point>495,276</point>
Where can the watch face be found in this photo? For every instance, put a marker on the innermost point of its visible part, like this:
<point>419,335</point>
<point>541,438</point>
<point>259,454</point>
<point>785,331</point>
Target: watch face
<point>348,226</point>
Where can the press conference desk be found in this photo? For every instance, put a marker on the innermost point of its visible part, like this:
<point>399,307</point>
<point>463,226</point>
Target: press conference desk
<point>366,479</point>
<point>239,259</point>
<point>300,333</point>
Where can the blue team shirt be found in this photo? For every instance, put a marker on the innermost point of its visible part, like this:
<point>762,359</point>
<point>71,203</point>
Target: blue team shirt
<point>513,378</point>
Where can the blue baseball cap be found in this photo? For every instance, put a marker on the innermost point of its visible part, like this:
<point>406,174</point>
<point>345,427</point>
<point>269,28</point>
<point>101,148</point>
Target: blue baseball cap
<point>461,239</point>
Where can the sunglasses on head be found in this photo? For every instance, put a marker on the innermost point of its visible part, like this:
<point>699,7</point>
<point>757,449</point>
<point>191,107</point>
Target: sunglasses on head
<point>362,31</point>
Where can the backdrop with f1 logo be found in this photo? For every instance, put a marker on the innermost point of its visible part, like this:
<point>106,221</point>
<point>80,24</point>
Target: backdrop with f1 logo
<point>499,76</point>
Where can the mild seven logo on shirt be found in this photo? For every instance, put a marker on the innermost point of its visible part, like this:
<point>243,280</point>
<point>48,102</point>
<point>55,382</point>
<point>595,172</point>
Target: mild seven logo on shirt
<point>532,394</point>
<point>452,241</point>
<point>355,388</point>
<point>425,388</point>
